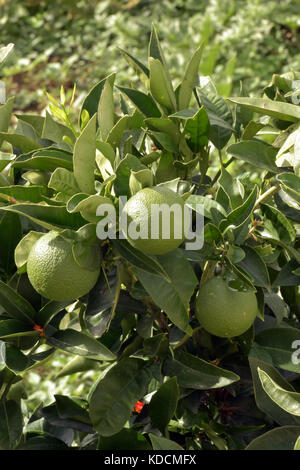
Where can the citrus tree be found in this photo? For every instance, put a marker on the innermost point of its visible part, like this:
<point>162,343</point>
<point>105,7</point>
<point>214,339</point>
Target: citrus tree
<point>191,347</point>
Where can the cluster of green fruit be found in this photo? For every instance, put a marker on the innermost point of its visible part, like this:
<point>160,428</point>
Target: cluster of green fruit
<point>55,274</point>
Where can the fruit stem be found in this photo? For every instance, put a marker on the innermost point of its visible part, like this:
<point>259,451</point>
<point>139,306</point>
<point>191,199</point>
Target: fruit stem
<point>186,337</point>
<point>208,271</point>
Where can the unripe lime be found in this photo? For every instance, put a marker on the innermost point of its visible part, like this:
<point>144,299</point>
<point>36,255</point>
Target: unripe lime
<point>53,271</point>
<point>225,312</point>
<point>169,231</point>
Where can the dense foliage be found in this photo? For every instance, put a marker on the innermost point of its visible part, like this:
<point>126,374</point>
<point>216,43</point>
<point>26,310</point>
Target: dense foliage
<point>68,41</point>
<point>162,381</point>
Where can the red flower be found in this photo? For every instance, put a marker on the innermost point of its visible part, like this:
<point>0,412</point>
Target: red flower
<point>39,328</point>
<point>138,406</point>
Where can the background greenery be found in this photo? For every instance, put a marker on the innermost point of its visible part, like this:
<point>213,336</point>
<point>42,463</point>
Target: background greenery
<point>69,41</point>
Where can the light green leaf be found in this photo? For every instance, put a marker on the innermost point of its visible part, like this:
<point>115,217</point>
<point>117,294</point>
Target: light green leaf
<point>84,157</point>
<point>286,399</point>
<point>267,107</point>
<point>193,372</point>
<point>189,79</point>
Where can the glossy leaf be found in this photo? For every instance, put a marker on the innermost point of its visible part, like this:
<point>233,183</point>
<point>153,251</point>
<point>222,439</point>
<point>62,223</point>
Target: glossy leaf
<point>49,217</point>
<point>15,305</point>
<point>256,153</point>
<point>163,404</point>
<point>80,343</point>
<point>172,297</point>
<point>286,399</point>
<point>144,103</point>
<point>193,372</point>
<point>116,394</point>
<point>189,79</point>
<point>267,107</point>
<point>11,424</point>
<point>161,443</point>
<point>127,439</point>
<point>45,159</point>
<point>275,346</point>
<point>84,157</point>
<point>263,401</point>
<point>282,438</point>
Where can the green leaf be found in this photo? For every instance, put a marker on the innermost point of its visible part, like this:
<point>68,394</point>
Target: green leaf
<point>84,157</point>
<point>10,235</point>
<point>220,119</point>
<point>140,260</point>
<point>287,400</point>
<point>21,193</point>
<point>172,297</point>
<point>297,444</point>
<point>63,180</point>
<point>197,129</point>
<point>127,439</point>
<point>208,204</point>
<point>14,328</point>
<point>144,103</point>
<point>91,101</point>
<point>241,213</point>
<point>252,129</point>
<point>263,401</point>
<point>15,360</point>
<point>123,172</point>
<point>254,265</point>
<point>15,305</point>
<point>106,111</point>
<point>78,364</point>
<point>5,51</point>
<point>11,424</point>
<point>161,443</point>
<point>189,79</point>
<point>49,217</point>
<point>116,394</point>
<point>5,115</point>
<point>256,153</point>
<point>160,86</point>
<point>231,189</point>
<point>291,182</point>
<point>193,372</point>
<point>71,408</point>
<point>55,131</point>
<point>46,160</point>
<point>137,65</point>
<point>44,442</point>
<point>21,142</point>
<point>164,125</point>
<point>278,347</point>
<point>24,247</point>
<point>276,109</point>
<point>80,343</point>
<point>87,206</point>
<point>49,310</point>
<point>163,404</point>
<point>276,225</point>
<point>282,438</point>
<point>277,305</point>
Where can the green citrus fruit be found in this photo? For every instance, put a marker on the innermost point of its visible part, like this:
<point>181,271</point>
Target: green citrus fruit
<point>225,312</point>
<point>53,271</point>
<point>163,236</point>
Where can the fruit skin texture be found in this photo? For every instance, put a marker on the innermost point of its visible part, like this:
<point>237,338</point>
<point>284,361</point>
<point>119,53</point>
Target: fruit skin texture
<point>135,210</point>
<point>224,312</point>
<point>54,273</point>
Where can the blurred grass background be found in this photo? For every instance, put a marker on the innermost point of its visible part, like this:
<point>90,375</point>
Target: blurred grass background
<point>67,41</point>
